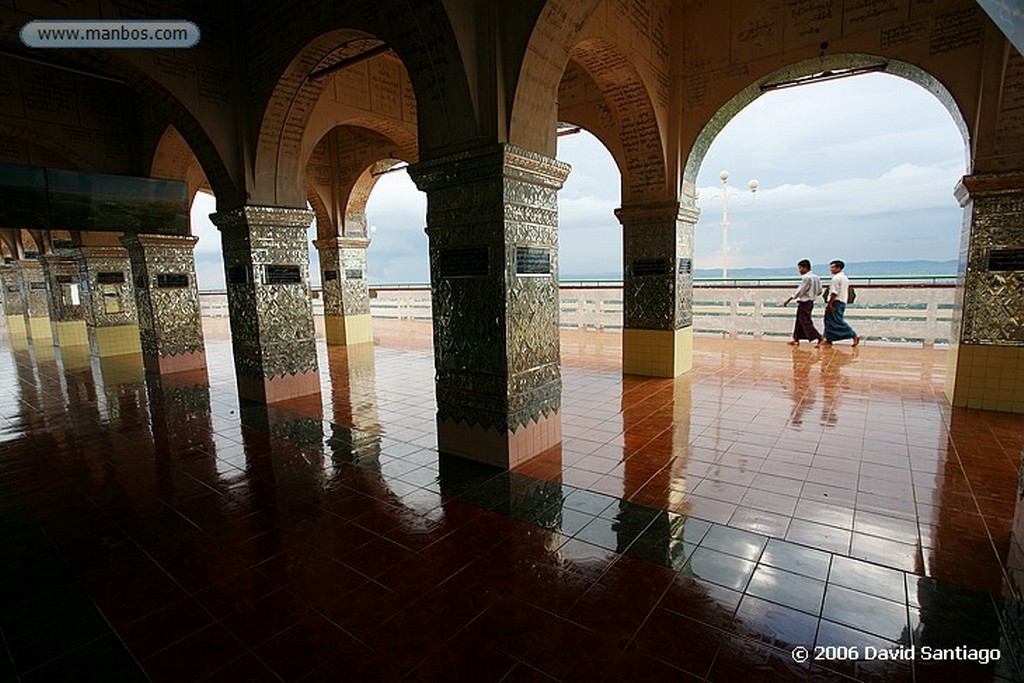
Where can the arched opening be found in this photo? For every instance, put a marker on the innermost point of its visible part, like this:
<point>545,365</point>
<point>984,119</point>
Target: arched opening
<point>859,169</point>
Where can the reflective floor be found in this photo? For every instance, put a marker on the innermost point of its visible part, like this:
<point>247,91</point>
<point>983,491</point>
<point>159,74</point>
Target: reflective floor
<point>698,528</point>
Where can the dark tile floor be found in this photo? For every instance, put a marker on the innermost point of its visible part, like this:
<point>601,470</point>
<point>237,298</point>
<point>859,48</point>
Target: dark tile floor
<point>700,528</point>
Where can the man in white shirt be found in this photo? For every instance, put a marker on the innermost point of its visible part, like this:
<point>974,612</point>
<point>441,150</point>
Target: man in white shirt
<point>836,327</point>
<point>810,287</point>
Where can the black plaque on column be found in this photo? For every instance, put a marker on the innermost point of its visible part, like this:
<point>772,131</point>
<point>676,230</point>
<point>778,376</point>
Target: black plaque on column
<point>239,275</point>
<point>330,275</point>
<point>110,278</point>
<point>465,262</point>
<point>37,285</point>
<point>353,274</point>
<point>1006,259</point>
<point>685,266</point>
<point>171,280</point>
<point>646,267</point>
<point>533,261</point>
<point>282,275</point>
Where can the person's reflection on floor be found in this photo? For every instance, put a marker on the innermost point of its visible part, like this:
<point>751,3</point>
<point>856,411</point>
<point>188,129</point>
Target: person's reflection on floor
<point>832,382</point>
<point>800,390</point>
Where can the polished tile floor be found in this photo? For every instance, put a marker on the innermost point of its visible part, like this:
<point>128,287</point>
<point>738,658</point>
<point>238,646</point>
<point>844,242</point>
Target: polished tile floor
<point>698,528</point>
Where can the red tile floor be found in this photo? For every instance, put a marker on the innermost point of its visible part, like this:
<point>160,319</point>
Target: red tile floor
<point>699,528</point>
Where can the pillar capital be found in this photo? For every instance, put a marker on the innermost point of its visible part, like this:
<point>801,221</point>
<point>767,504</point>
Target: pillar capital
<point>339,242</point>
<point>648,212</point>
<point>264,216</point>
<point>489,162</point>
<point>988,184</point>
<point>160,241</point>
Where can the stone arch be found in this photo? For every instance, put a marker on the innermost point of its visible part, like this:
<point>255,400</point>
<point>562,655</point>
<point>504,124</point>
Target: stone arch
<point>534,106</point>
<point>355,209</point>
<point>724,114</point>
<point>28,242</point>
<point>433,66</point>
<point>640,152</point>
<point>325,225</point>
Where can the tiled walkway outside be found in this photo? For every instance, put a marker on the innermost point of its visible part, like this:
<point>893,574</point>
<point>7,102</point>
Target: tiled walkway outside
<point>698,528</point>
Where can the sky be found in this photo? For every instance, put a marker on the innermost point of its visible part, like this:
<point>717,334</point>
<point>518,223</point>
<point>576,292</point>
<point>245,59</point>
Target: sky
<point>859,169</point>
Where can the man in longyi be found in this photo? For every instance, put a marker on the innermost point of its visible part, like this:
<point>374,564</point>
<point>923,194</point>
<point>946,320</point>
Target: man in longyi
<point>836,327</point>
<point>810,287</point>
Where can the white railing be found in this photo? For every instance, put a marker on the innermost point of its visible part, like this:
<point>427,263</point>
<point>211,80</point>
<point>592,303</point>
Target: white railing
<point>905,311</point>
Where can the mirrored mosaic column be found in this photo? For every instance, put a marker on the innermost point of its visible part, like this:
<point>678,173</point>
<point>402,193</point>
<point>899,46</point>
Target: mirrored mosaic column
<point>346,296</point>
<point>14,304</point>
<point>986,357</point>
<point>492,219</point>
<point>266,260</point>
<point>170,321</point>
<point>657,336</point>
<point>37,310</point>
<point>111,316</point>
<point>64,297</point>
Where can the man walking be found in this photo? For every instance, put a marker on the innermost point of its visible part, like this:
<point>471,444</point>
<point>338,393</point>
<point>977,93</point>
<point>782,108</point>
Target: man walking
<point>810,287</point>
<point>836,327</point>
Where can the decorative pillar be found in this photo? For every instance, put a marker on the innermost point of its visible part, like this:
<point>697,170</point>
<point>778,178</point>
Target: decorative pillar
<point>492,217</point>
<point>657,335</point>
<point>266,259</point>
<point>14,303</point>
<point>170,321</point>
<point>64,298</point>
<point>37,310</point>
<point>346,296</point>
<point>111,317</point>
<point>986,354</point>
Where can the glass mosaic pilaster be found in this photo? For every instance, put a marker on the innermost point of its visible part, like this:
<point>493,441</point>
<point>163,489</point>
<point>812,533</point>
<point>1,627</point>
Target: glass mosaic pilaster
<point>37,310</point>
<point>986,356</point>
<point>492,218</point>
<point>266,261</point>
<point>657,339</point>
<point>14,305</point>
<point>64,297</point>
<point>346,295</point>
<point>111,316</point>
<point>170,322</point>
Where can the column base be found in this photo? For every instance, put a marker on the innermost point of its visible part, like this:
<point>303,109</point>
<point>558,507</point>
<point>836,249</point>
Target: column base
<point>657,353</point>
<point>75,358</point>
<point>345,330</point>
<point>121,369</point>
<point>117,340</point>
<point>986,377</point>
<point>493,448</point>
<point>39,329</point>
<point>16,326</point>
<point>182,362</point>
<point>70,333</point>
<point>274,389</point>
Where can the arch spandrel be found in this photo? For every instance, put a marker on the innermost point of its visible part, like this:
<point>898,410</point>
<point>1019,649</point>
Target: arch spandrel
<point>173,159</point>
<point>625,110</point>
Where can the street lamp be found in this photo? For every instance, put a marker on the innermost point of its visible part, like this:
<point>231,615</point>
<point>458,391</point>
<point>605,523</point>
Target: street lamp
<point>752,187</point>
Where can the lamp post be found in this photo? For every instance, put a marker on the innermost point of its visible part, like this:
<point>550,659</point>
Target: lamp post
<point>752,187</point>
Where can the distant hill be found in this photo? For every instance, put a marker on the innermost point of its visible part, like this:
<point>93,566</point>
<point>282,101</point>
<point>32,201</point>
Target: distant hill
<point>919,267</point>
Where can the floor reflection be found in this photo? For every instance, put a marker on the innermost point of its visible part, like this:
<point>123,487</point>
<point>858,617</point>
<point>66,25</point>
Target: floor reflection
<point>159,528</point>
